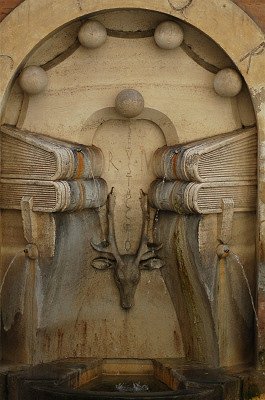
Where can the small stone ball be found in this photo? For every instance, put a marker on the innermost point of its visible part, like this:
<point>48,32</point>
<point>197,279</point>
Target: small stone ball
<point>33,80</point>
<point>180,4</point>
<point>168,35</point>
<point>129,103</point>
<point>92,34</point>
<point>227,82</point>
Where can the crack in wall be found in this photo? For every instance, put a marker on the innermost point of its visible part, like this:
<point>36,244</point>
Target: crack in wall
<point>253,53</point>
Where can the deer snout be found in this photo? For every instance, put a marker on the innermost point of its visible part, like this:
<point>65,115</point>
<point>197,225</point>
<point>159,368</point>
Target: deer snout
<point>127,299</point>
<point>126,306</point>
<point>127,292</point>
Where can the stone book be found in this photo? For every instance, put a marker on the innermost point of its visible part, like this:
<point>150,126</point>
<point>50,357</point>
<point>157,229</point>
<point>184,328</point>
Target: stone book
<point>202,198</point>
<point>27,155</point>
<point>49,196</point>
<point>228,157</point>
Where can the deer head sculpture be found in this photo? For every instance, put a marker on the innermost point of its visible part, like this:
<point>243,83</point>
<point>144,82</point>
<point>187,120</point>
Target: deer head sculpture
<point>126,267</point>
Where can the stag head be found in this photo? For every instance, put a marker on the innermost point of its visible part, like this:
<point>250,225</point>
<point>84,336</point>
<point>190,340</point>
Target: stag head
<point>126,267</point>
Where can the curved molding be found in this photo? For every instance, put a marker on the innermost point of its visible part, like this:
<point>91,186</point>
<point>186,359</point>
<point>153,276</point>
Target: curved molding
<point>27,35</point>
<point>149,114</point>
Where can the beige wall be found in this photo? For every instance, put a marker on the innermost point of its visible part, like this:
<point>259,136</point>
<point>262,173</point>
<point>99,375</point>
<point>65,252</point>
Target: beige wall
<point>255,9</point>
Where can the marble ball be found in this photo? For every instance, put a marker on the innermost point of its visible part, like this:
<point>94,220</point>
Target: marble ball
<point>92,34</point>
<point>227,82</point>
<point>168,35</point>
<point>129,103</point>
<point>180,4</point>
<point>33,80</point>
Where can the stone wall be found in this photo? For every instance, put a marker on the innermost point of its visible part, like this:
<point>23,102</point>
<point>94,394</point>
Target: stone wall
<point>255,8</point>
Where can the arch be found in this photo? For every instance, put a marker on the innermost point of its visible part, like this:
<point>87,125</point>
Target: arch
<point>247,51</point>
<point>149,114</point>
<point>222,21</point>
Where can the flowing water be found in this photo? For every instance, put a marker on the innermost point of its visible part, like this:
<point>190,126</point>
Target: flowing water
<point>8,269</point>
<point>38,291</point>
<point>210,284</point>
<point>38,283</point>
<point>248,286</point>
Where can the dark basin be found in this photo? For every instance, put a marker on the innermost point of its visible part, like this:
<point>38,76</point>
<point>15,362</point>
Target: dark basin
<point>39,393</point>
<point>105,379</point>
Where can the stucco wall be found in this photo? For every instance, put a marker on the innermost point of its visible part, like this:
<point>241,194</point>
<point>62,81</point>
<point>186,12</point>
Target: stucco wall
<point>255,8</point>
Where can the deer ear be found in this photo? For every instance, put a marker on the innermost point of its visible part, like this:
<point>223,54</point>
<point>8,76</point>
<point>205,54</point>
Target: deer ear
<point>152,263</point>
<point>102,263</point>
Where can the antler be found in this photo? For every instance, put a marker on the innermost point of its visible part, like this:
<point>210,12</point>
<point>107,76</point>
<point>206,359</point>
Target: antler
<point>144,240</point>
<point>111,234</point>
<point>109,246</point>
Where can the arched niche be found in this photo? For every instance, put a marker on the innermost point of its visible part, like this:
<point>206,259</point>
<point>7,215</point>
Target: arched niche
<point>246,51</point>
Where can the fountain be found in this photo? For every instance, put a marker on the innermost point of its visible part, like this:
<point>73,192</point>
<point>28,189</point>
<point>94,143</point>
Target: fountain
<point>128,201</point>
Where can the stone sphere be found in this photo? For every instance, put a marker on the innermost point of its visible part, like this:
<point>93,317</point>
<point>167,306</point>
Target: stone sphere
<point>33,80</point>
<point>129,103</point>
<point>180,4</point>
<point>168,35</point>
<point>92,34</point>
<point>227,82</point>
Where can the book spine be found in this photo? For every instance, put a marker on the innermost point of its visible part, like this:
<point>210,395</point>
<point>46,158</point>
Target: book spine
<point>88,162</point>
<point>35,158</point>
<point>91,193</point>
<point>163,160</point>
<point>201,198</point>
<point>171,163</point>
<point>170,196</point>
<point>53,196</point>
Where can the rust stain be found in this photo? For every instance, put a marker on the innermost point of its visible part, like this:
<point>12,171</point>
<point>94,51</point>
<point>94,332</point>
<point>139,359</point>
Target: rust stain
<point>260,250</point>
<point>261,312</point>
<point>80,164</point>
<point>177,340</point>
<point>47,341</point>
<point>84,329</point>
<point>84,335</point>
<point>174,162</point>
<point>60,335</point>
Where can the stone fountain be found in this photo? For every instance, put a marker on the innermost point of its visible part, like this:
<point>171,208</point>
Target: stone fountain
<point>128,204</point>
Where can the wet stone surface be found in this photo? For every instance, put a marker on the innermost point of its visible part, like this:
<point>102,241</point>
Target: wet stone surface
<point>83,379</point>
<point>126,383</point>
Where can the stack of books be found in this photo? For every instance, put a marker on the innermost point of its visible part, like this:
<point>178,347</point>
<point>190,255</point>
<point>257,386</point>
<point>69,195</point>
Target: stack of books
<point>195,177</point>
<point>58,175</point>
